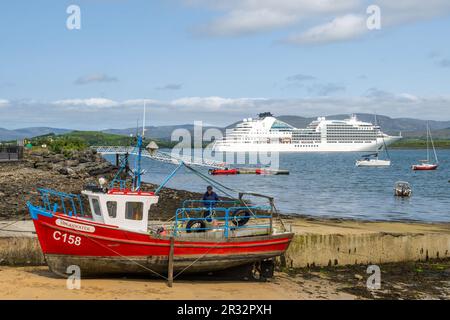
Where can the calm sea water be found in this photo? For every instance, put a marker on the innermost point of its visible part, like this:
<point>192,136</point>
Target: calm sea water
<point>329,185</point>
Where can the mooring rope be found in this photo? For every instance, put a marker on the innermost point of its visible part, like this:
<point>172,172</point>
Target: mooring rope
<point>133,261</point>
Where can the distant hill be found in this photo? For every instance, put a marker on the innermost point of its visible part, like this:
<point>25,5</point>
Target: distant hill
<point>7,135</point>
<point>93,138</point>
<point>411,128</point>
<point>387,124</point>
<point>160,132</point>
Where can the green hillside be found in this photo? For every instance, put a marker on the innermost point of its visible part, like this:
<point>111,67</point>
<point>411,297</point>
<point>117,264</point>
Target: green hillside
<point>411,143</point>
<point>79,140</point>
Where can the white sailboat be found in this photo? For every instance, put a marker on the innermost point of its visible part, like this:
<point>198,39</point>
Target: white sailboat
<point>425,164</point>
<point>372,160</point>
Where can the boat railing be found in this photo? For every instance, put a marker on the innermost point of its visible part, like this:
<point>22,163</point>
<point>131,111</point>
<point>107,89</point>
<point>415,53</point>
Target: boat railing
<point>118,184</point>
<point>53,201</point>
<point>210,203</point>
<point>213,216</point>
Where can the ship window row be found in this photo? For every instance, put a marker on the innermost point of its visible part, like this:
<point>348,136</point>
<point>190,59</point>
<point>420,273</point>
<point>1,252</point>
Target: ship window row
<point>307,146</point>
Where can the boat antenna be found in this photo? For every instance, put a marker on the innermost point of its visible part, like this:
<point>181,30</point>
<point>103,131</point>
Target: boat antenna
<point>137,173</point>
<point>143,122</point>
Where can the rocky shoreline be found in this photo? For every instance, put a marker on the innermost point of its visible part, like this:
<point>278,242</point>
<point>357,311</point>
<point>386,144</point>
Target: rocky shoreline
<point>68,173</point>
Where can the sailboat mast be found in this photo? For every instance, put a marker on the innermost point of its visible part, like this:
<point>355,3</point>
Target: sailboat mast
<point>428,143</point>
<point>432,144</point>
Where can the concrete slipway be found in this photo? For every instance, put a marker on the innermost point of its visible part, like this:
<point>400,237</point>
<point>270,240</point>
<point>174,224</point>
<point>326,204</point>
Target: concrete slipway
<point>317,242</point>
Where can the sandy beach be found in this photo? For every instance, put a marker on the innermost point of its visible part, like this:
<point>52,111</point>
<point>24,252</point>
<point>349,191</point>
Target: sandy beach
<point>40,283</point>
<point>413,280</point>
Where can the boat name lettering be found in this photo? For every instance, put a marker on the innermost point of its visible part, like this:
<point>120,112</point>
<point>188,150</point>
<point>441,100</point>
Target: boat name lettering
<point>75,226</point>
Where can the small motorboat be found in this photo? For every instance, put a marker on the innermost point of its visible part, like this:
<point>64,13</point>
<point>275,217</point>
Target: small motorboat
<point>108,229</point>
<point>402,189</point>
<point>425,165</point>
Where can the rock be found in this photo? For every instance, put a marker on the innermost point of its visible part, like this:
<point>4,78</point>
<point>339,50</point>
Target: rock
<point>83,160</point>
<point>42,165</point>
<point>66,171</point>
<point>359,277</point>
<point>72,163</point>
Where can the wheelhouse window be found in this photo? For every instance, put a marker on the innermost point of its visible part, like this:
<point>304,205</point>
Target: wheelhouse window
<point>96,207</point>
<point>134,210</point>
<point>112,208</point>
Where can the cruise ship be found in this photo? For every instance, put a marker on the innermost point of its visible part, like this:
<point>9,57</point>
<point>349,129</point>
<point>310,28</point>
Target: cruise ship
<point>267,133</point>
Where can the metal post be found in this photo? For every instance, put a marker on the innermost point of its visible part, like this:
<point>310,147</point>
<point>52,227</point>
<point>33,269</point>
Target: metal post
<point>226,223</point>
<point>127,165</point>
<point>170,266</point>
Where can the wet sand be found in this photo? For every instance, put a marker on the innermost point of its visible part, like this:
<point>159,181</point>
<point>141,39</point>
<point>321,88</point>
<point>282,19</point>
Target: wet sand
<point>40,283</point>
<point>410,280</point>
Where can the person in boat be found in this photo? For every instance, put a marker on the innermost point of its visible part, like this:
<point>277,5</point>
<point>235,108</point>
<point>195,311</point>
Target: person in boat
<point>210,198</point>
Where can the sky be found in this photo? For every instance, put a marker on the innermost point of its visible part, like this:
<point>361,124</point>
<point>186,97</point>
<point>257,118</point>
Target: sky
<point>219,61</point>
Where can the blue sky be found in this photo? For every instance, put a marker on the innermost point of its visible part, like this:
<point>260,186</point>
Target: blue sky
<point>219,61</point>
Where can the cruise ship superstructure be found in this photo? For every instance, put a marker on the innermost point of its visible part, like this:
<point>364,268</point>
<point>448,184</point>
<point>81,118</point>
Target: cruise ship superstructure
<point>267,133</point>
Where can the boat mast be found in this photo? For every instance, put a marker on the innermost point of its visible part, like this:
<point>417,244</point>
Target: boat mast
<point>432,144</point>
<point>137,170</point>
<point>428,143</point>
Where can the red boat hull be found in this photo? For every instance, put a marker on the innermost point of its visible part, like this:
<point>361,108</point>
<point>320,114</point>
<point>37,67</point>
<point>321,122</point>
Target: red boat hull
<point>103,249</point>
<point>224,172</point>
<point>424,167</point>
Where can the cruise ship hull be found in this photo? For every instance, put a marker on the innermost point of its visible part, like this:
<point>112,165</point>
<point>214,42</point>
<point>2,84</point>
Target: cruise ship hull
<point>310,147</point>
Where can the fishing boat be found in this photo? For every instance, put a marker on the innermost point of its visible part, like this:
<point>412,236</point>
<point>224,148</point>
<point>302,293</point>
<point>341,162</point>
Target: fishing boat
<point>425,165</point>
<point>108,229</point>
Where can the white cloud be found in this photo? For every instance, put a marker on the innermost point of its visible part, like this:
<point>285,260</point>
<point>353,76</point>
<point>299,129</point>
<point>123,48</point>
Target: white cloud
<point>398,12</point>
<point>95,77</point>
<point>100,113</point>
<point>339,29</point>
<point>253,16</point>
<point>171,86</point>
<point>211,104</point>
<point>4,102</point>
<point>90,102</point>
<point>240,22</point>
<point>140,102</point>
<point>409,97</point>
<point>346,17</point>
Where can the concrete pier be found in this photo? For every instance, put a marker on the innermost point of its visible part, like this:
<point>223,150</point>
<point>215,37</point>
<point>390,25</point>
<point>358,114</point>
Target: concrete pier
<point>19,244</point>
<point>317,242</point>
<point>329,242</point>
